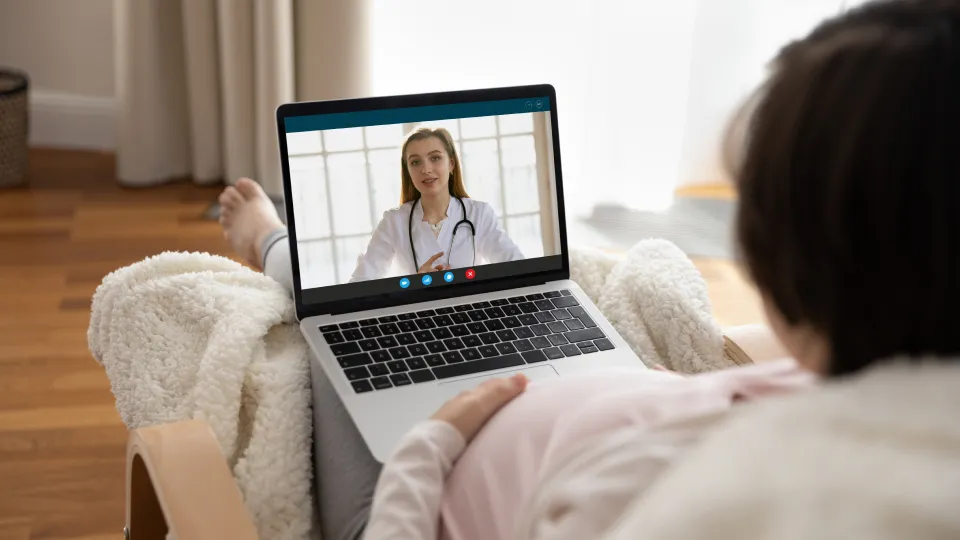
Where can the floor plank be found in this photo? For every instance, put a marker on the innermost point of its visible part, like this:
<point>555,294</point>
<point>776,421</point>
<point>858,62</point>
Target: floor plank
<point>15,528</point>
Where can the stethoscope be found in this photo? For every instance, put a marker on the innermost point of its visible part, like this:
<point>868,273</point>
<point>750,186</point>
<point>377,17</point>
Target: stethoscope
<point>464,221</point>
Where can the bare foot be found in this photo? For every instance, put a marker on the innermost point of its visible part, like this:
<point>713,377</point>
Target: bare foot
<point>247,216</point>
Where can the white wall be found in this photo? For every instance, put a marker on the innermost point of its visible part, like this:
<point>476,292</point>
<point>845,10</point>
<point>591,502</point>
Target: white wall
<point>733,42</point>
<point>66,47</point>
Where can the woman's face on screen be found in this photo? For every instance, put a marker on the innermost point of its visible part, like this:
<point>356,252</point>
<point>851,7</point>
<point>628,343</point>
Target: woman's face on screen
<point>429,165</point>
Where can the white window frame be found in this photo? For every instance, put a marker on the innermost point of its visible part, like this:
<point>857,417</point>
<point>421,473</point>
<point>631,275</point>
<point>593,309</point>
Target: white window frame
<point>501,172</point>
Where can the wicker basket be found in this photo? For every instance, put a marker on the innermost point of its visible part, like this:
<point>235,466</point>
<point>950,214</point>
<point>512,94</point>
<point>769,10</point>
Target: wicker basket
<point>14,127</point>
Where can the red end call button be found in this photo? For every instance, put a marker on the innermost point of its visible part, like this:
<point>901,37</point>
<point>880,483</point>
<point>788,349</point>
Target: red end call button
<point>471,273</point>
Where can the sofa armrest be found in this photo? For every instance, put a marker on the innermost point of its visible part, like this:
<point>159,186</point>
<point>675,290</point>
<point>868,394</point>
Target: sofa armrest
<point>177,479</point>
<point>752,344</point>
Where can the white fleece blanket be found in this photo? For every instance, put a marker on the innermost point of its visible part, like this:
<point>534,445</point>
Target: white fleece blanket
<point>195,336</point>
<point>657,300</point>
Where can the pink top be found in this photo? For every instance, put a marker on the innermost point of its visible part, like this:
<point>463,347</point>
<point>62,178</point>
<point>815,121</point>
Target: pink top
<point>544,466</point>
<point>496,475</point>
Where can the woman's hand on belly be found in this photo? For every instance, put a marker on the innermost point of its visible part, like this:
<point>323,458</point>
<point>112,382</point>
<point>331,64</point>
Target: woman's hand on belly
<point>469,411</point>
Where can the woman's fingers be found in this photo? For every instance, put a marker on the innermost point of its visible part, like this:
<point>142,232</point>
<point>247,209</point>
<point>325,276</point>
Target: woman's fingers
<point>433,259</point>
<point>470,411</point>
<point>496,393</point>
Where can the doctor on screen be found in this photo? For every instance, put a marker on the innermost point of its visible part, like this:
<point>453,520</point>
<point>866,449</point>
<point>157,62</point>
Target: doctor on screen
<point>437,225</point>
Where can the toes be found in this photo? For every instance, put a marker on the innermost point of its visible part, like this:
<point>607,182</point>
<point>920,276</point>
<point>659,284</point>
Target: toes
<point>249,189</point>
<point>226,219</point>
<point>230,198</point>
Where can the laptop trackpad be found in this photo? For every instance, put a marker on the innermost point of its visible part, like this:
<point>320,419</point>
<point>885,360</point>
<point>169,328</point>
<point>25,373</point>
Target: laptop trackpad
<point>533,374</point>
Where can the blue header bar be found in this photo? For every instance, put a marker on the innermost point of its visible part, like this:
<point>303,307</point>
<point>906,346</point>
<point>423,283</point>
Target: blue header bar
<point>429,113</point>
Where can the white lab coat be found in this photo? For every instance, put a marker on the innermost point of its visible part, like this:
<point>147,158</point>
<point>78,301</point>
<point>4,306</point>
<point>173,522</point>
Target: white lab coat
<point>388,253</point>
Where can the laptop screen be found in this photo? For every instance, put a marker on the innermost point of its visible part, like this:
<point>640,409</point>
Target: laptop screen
<point>399,202</point>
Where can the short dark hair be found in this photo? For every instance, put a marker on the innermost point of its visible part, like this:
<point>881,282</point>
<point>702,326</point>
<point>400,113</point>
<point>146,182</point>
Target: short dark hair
<point>848,172</point>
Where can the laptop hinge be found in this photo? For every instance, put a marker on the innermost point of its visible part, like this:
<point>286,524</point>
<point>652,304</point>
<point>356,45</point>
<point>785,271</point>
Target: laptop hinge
<point>353,308</point>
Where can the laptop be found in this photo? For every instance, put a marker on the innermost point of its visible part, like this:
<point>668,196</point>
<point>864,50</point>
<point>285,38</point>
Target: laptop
<point>398,344</point>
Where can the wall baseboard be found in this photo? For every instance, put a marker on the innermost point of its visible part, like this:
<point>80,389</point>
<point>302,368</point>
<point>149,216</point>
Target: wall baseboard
<point>62,120</point>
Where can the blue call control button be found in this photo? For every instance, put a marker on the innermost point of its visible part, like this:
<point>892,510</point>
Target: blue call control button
<point>426,279</point>
<point>404,283</point>
<point>448,277</point>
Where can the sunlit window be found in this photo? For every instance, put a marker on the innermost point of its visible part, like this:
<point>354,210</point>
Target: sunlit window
<point>645,87</point>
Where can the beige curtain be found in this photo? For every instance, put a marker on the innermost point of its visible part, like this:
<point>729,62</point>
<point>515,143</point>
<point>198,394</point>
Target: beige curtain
<point>198,83</point>
<point>333,48</point>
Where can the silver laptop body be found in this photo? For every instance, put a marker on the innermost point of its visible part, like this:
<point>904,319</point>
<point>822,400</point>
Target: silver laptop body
<point>396,348</point>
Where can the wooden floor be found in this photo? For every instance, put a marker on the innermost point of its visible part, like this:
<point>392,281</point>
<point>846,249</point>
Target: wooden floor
<point>61,441</point>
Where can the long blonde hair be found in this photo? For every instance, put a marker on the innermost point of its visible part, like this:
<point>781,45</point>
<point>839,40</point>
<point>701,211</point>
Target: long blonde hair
<point>408,192</point>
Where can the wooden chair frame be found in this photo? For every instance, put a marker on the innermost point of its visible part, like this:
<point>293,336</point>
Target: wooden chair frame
<point>178,481</point>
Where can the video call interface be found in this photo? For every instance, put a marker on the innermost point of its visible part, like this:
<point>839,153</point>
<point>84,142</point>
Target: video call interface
<point>395,200</point>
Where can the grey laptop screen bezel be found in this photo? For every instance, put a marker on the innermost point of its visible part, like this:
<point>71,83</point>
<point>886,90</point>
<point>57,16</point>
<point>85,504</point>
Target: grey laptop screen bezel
<point>402,297</point>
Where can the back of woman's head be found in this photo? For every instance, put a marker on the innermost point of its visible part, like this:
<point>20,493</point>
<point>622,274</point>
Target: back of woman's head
<point>849,181</point>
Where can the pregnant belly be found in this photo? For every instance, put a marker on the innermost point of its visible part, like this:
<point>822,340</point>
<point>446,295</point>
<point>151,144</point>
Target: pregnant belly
<point>504,464</point>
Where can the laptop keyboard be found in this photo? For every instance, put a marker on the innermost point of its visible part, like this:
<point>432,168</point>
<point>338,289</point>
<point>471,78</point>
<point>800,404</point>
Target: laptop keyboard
<point>424,346</point>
